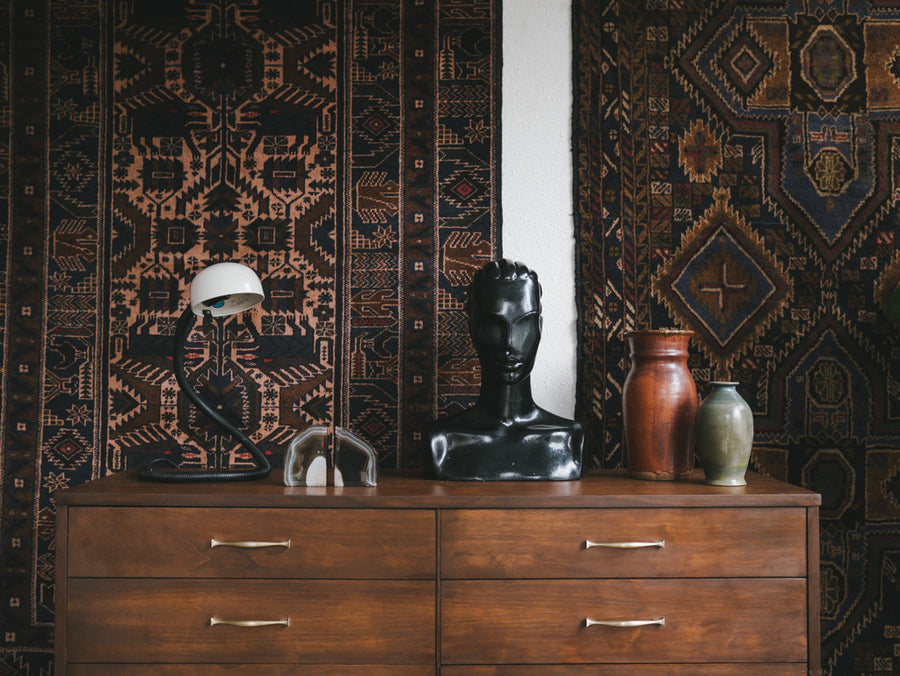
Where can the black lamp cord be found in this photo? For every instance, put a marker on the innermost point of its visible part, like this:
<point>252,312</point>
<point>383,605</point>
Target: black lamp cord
<point>151,472</point>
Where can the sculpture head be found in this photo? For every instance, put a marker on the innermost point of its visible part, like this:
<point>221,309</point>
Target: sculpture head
<point>504,307</point>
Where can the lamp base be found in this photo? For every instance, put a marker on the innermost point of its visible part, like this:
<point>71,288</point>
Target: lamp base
<point>163,470</point>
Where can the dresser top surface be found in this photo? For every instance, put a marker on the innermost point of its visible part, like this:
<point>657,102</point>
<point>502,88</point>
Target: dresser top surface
<point>598,489</point>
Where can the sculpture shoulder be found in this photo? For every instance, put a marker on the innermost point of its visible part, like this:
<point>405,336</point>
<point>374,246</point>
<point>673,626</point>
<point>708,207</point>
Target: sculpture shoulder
<point>551,420</point>
<point>473,445</point>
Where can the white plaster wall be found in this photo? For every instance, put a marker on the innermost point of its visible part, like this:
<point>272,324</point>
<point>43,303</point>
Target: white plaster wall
<point>536,180</point>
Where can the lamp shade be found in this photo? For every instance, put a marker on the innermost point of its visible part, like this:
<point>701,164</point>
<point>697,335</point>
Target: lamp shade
<point>225,289</point>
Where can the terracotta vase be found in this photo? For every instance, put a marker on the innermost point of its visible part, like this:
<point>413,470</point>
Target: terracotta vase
<point>724,430</point>
<point>659,403</point>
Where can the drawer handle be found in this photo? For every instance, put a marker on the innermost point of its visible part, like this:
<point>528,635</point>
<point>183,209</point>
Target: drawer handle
<point>588,544</point>
<point>215,621</point>
<point>248,544</point>
<point>661,621</point>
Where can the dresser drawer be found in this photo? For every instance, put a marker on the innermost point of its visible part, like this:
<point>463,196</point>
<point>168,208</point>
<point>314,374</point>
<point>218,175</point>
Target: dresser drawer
<point>680,542</point>
<point>532,621</point>
<point>796,669</point>
<point>253,670</point>
<point>323,543</point>
<point>330,621</point>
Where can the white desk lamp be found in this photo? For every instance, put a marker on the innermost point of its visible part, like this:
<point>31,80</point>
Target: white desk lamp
<point>220,290</point>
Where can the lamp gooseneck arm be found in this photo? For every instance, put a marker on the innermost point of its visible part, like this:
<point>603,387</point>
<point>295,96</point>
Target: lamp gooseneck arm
<point>151,473</point>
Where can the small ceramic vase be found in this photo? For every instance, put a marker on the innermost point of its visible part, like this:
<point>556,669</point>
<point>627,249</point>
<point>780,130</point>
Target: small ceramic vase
<point>724,434</point>
<point>659,401</point>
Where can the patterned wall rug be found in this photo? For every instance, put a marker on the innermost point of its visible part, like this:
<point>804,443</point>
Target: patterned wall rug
<point>737,174</point>
<point>345,150</point>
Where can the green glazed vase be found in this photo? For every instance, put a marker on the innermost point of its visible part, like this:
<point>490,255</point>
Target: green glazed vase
<point>724,435</point>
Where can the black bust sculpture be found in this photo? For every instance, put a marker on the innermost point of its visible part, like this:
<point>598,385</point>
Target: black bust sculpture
<point>505,436</point>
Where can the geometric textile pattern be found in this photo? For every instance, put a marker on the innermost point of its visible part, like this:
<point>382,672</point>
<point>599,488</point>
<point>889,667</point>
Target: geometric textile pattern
<point>737,175</point>
<point>422,213</point>
<point>345,150</point>
<point>223,148</point>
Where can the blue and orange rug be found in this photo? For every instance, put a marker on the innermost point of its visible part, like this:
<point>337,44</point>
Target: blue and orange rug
<point>736,174</point>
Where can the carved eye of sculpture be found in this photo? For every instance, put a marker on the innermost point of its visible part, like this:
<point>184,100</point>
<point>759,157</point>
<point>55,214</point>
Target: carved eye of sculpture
<point>517,336</point>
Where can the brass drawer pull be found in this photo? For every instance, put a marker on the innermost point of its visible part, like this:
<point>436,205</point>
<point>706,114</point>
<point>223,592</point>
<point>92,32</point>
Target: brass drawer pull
<point>215,621</point>
<point>661,621</point>
<point>248,544</point>
<point>588,544</point>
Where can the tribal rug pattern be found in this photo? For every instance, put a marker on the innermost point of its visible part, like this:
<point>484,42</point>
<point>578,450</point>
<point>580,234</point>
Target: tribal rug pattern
<point>736,170</point>
<point>345,150</point>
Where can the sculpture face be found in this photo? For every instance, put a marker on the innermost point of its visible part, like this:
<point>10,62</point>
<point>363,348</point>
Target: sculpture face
<point>506,329</point>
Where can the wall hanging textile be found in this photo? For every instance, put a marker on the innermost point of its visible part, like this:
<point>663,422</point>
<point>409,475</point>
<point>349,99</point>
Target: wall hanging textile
<point>346,151</point>
<point>737,168</point>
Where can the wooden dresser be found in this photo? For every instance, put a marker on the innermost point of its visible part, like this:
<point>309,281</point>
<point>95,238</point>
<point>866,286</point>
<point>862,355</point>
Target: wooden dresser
<point>423,577</point>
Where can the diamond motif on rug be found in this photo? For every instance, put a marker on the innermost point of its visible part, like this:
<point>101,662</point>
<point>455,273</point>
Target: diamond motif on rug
<point>723,282</point>
<point>723,299</point>
<point>746,64</point>
<point>67,449</point>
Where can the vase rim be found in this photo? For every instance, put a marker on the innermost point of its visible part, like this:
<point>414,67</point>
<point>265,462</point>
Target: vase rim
<point>659,332</point>
<point>724,382</point>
